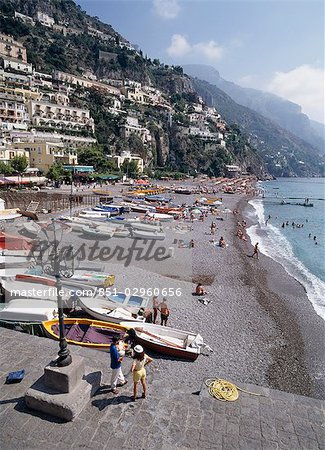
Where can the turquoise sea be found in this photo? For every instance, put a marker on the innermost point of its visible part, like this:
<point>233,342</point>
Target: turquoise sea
<point>299,249</point>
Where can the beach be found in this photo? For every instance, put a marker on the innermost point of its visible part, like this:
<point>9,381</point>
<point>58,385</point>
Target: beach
<point>260,324</point>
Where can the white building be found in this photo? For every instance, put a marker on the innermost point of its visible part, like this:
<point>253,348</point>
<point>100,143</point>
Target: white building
<point>44,19</point>
<point>132,126</point>
<point>9,64</point>
<point>25,19</point>
<point>127,156</point>
<point>59,116</point>
<point>13,113</point>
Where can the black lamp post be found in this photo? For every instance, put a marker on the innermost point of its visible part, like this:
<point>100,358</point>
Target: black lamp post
<point>53,267</point>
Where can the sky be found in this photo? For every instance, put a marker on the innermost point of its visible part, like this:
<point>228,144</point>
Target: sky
<point>273,45</point>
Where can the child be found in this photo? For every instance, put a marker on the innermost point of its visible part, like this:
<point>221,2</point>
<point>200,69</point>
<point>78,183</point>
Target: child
<point>139,371</point>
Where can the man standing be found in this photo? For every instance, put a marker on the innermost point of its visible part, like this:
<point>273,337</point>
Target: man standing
<point>255,253</point>
<point>116,366</point>
<point>164,312</point>
<point>155,305</point>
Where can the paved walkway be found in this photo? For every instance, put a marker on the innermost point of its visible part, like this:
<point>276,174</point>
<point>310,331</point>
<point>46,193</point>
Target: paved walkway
<point>168,419</point>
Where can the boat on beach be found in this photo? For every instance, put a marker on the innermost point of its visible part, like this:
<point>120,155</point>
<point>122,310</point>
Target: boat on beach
<point>107,311</point>
<point>161,217</point>
<point>78,223</point>
<point>85,332</point>
<point>31,229</point>
<point>128,301</point>
<point>157,235</point>
<point>97,233</point>
<point>94,215</point>
<point>144,226</point>
<point>28,310</point>
<point>166,340</point>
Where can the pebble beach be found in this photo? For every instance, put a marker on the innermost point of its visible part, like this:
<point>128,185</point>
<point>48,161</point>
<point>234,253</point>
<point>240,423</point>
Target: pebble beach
<point>259,323</point>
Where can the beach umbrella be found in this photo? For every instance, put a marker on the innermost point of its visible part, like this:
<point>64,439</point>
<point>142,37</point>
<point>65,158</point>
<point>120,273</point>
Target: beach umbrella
<point>217,202</point>
<point>196,211</point>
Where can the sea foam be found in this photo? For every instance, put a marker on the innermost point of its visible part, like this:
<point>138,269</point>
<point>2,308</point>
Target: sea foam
<point>274,244</point>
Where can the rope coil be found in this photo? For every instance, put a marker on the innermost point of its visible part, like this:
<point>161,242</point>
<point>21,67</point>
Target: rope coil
<point>223,390</point>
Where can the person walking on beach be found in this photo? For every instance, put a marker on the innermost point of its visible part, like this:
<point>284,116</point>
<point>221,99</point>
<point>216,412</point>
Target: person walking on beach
<point>255,253</point>
<point>155,305</point>
<point>138,370</point>
<point>116,366</point>
<point>164,312</point>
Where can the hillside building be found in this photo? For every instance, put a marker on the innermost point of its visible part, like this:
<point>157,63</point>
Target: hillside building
<point>132,126</point>
<point>127,156</point>
<point>10,48</point>
<point>43,154</point>
<point>13,112</point>
<point>44,19</point>
<point>44,114</point>
<point>10,64</point>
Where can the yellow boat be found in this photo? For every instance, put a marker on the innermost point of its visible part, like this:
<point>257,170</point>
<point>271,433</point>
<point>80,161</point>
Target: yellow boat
<point>85,332</point>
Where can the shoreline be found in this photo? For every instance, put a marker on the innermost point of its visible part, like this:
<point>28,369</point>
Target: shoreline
<point>297,366</point>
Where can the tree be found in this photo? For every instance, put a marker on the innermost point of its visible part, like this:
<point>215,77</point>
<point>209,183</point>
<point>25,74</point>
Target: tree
<point>19,164</point>
<point>5,169</point>
<point>94,157</point>
<point>55,172</point>
<point>130,168</point>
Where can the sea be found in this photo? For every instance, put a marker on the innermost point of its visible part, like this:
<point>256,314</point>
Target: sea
<point>299,244</point>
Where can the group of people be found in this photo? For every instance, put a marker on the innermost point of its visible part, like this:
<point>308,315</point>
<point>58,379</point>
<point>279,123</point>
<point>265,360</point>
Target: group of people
<point>140,361</point>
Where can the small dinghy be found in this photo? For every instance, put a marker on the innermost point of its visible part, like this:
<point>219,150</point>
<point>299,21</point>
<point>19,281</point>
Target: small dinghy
<point>85,332</point>
<point>28,310</point>
<point>94,215</point>
<point>152,235</point>
<point>32,229</point>
<point>97,233</point>
<point>105,310</point>
<point>161,217</point>
<point>166,340</point>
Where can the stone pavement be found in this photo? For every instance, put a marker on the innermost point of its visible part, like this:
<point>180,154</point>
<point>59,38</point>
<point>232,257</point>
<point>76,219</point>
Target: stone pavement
<point>169,418</point>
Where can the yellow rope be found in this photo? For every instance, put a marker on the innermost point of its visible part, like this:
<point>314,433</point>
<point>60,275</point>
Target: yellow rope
<point>223,390</point>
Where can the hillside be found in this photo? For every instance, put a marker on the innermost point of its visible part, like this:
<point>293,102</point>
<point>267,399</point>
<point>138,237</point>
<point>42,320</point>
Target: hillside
<point>283,153</point>
<point>174,137</point>
<point>283,112</point>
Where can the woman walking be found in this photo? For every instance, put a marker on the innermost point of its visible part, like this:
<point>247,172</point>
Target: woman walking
<point>139,372</point>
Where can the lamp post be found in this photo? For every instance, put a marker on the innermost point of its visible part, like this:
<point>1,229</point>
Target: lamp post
<point>53,267</point>
<point>71,190</point>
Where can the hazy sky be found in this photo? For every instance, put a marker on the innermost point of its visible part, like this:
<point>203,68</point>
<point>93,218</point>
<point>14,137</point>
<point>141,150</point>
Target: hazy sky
<point>274,45</point>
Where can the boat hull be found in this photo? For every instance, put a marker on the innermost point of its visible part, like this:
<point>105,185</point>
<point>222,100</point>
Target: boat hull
<point>169,351</point>
<point>112,329</point>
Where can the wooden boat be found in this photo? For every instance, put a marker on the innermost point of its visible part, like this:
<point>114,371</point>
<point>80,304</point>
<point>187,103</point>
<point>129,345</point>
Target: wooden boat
<point>28,310</point>
<point>94,215</point>
<point>104,193</point>
<point>165,340</point>
<point>107,311</point>
<point>140,208</point>
<point>85,332</point>
<point>169,209</point>
<point>157,198</point>
<point>157,235</point>
<point>161,217</point>
<point>97,233</point>
<point>183,191</point>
